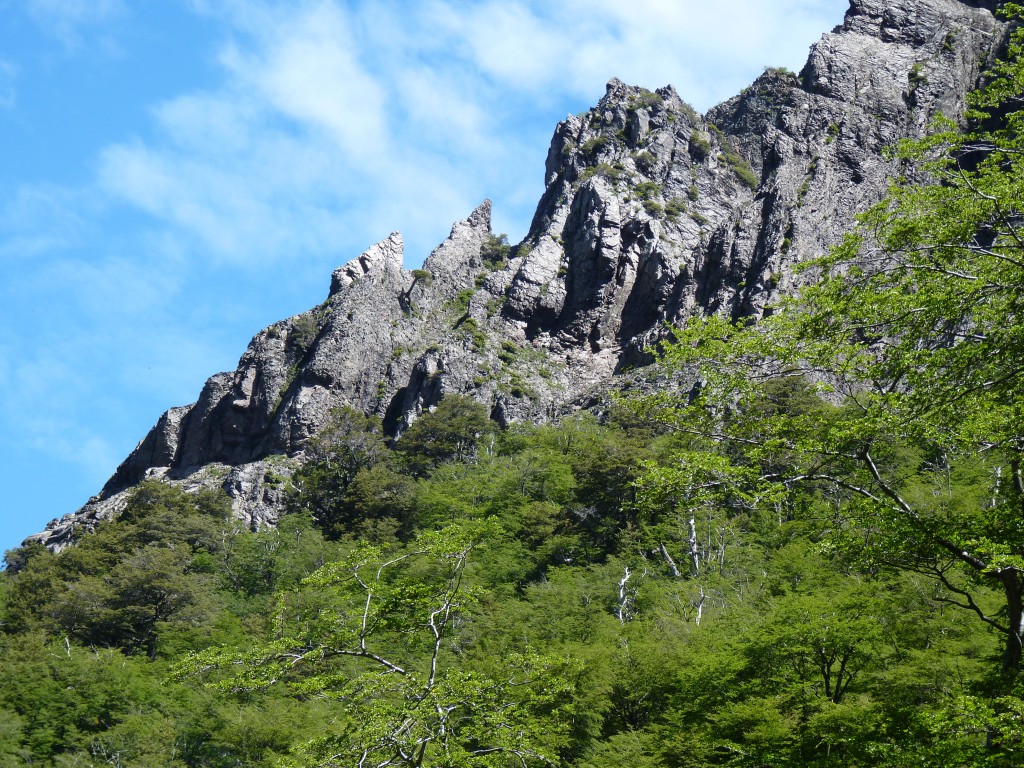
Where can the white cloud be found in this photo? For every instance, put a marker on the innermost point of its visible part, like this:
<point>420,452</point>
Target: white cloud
<point>511,42</point>
<point>301,140</point>
<point>570,47</point>
<point>68,19</point>
<point>309,71</point>
<point>442,106</point>
<point>338,122</point>
<point>36,219</point>
<point>268,202</point>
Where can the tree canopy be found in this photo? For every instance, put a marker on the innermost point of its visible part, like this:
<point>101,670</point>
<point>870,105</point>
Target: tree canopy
<point>814,557</point>
<point>911,334</point>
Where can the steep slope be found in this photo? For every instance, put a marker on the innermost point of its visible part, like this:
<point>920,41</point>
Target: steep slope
<point>651,212</point>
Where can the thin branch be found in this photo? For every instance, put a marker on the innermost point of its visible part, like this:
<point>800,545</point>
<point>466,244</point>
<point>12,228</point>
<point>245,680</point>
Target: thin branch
<point>359,654</point>
<point>970,605</point>
<point>668,559</point>
<point>959,552</point>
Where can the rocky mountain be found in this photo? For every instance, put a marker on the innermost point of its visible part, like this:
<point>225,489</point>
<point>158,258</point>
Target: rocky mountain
<point>651,213</point>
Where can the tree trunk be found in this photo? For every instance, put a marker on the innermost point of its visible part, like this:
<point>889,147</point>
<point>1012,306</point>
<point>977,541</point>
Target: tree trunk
<point>668,559</point>
<point>694,550</point>
<point>1011,581</point>
<point>625,598</point>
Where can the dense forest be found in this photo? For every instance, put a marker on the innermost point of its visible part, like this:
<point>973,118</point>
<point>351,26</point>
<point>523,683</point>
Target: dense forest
<point>590,594</point>
<point>812,556</point>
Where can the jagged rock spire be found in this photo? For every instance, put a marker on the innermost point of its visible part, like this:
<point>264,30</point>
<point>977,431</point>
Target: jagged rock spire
<point>651,212</point>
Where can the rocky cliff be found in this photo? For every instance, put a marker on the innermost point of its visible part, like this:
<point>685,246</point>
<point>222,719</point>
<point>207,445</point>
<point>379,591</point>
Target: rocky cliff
<point>651,212</point>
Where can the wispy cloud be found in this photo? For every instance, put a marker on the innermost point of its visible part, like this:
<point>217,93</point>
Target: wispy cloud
<point>566,48</point>
<point>301,145</point>
<point>332,116</point>
<point>308,69</point>
<point>70,20</point>
<point>323,126</point>
<point>37,219</point>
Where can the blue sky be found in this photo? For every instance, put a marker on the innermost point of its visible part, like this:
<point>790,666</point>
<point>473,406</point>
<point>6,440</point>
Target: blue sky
<point>178,174</point>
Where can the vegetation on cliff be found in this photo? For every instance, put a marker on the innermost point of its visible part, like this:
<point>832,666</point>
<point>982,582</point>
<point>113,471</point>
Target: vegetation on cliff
<point>814,557</point>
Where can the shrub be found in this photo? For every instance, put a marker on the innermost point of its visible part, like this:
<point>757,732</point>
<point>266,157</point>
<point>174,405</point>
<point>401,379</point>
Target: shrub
<point>691,114</point>
<point>916,76</point>
<point>739,166</point>
<point>644,100</point>
<point>646,190</point>
<point>495,250</point>
<point>303,332</point>
<point>654,208</point>
<point>646,161</point>
<point>460,304</point>
<point>476,334</point>
<point>604,170</point>
<point>700,146</point>
<point>675,208</point>
<point>591,147</point>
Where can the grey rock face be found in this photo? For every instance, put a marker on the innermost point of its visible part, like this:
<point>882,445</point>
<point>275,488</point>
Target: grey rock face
<point>651,212</point>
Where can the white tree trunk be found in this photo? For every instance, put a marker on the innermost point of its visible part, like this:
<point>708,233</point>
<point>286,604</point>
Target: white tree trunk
<point>694,548</point>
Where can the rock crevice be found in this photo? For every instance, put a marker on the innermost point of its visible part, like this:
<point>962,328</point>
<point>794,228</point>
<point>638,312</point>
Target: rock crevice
<point>651,213</point>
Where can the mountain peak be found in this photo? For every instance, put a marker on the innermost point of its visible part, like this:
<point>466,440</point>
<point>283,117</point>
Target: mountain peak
<point>652,213</point>
<point>384,256</point>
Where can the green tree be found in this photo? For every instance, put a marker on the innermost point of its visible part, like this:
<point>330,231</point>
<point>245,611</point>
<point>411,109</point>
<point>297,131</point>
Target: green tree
<point>915,330</point>
<point>122,585</point>
<point>375,631</point>
<point>350,444</point>
<point>453,431</point>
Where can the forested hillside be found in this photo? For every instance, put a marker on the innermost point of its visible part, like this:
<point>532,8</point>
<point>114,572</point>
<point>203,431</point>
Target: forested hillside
<point>813,556</point>
<point>589,594</point>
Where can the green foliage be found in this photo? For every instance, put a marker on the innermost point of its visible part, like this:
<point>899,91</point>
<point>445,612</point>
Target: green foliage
<point>126,584</point>
<point>375,630</point>
<point>914,322</point>
<point>740,167</point>
<point>422,276</point>
<point>654,208</point>
<point>603,170</point>
<point>495,251</point>
<point>810,559</point>
<point>644,100</point>
<point>555,542</point>
<point>302,333</point>
<point>675,208</point>
<point>477,335</point>
<point>647,190</point>
<point>916,77</point>
<point>646,161</point>
<point>593,147</point>
<point>459,305</point>
<point>700,146</point>
<point>348,444</point>
<point>453,431</point>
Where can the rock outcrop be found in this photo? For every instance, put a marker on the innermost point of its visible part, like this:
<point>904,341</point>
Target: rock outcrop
<point>651,213</point>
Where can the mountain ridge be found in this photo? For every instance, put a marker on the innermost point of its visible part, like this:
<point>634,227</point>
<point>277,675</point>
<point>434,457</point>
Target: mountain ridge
<point>651,213</point>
